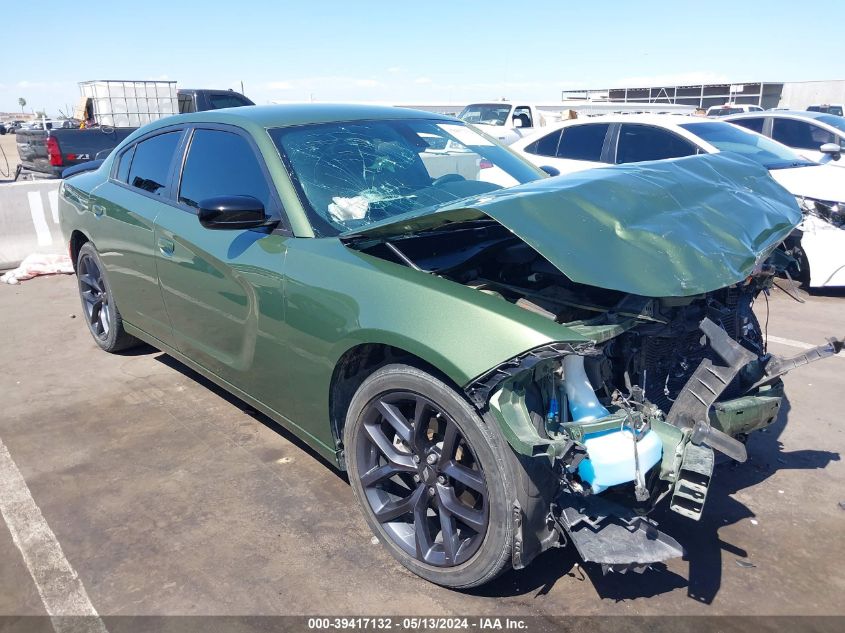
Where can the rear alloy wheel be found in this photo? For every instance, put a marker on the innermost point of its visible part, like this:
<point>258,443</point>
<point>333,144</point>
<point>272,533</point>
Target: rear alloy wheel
<point>432,477</point>
<point>98,306</point>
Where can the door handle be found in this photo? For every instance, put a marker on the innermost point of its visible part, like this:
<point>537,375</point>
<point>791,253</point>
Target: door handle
<point>98,210</point>
<point>166,246</point>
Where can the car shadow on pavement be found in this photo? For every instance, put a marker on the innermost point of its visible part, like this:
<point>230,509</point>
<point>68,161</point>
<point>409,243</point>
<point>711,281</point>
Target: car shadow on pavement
<point>143,349</point>
<point>705,550</point>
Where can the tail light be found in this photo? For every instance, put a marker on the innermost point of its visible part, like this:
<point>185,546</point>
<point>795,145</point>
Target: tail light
<point>485,164</point>
<point>54,152</point>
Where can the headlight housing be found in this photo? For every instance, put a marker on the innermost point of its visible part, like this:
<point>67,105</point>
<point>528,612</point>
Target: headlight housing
<point>833,212</point>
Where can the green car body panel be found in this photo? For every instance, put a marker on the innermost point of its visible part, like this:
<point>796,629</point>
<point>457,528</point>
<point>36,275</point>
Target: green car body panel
<point>271,314</point>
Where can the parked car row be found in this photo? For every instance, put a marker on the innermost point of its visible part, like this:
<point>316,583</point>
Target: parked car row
<point>10,127</point>
<point>612,140</point>
<point>740,108</point>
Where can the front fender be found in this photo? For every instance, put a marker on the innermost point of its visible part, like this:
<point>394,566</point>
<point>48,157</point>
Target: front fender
<point>461,331</point>
<point>337,299</point>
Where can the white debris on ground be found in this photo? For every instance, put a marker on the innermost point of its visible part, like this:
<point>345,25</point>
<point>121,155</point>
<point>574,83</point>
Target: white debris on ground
<point>38,264</point>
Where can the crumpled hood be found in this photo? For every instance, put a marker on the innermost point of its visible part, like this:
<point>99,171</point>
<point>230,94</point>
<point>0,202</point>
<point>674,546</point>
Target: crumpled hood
<point>659,229</point>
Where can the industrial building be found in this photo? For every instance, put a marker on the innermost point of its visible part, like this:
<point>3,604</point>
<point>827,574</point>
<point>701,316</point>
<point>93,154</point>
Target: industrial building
<point>796,95</point>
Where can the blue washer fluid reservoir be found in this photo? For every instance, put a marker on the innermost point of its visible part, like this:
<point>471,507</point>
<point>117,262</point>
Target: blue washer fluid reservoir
<point>610,457</point>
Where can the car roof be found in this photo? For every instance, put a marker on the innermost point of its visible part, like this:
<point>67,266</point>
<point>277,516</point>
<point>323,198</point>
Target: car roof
<point>271,116</point>
<point>662,120</point>
<point>801,114</point>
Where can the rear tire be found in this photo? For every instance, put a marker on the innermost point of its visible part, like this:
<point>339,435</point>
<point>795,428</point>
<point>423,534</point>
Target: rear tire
<point>99,308</point>
<point>434,480</point>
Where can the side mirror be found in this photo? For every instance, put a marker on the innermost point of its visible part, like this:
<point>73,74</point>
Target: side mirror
<point>551,171</point>
<point>517,121</point>
<point>833,149</point>
<point>232,212</point>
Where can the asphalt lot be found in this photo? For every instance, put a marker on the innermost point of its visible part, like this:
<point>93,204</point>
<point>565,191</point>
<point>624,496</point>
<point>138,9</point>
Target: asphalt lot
<point>168,496</point>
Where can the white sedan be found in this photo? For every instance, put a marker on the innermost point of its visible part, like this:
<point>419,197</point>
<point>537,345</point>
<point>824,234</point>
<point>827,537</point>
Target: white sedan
<point>815,135</point>
<point>614,139</point>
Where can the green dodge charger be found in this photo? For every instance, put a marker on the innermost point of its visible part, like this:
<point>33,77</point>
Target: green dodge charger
<point>501,361</point>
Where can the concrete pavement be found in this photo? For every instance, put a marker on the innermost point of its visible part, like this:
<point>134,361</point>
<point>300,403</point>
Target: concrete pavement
<point>169,496</point>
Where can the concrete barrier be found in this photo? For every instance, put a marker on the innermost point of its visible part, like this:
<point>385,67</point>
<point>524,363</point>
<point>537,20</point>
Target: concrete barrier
<point>29,220</point>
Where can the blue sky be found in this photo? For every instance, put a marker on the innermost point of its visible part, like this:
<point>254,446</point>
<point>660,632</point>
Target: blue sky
<point>405,52</point>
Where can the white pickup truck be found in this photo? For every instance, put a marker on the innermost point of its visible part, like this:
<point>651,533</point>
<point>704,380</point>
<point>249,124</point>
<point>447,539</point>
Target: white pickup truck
<point>507,121</point>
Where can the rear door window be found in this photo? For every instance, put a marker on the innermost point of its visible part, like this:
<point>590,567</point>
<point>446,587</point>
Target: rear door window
<point>646,142</point>
<point>151,164</point>
<point>546,146</point>
<point>583,142</point>
<point>800,134</point>
<point>222,163</point>
<point>754,124</point>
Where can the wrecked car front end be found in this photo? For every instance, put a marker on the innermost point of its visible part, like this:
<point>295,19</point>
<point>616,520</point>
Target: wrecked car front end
<point>616,454</point>
<point>657,266</point>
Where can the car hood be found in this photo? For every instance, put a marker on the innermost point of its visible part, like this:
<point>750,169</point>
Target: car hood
<point>821,182</point>
<point>658,229</point>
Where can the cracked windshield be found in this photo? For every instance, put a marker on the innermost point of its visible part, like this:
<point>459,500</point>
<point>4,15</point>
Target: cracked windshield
<point>353,174</point>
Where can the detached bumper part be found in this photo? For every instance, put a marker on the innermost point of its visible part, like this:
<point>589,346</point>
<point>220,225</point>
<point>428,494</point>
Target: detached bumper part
<point>779,365</point>
<point>610,534</point>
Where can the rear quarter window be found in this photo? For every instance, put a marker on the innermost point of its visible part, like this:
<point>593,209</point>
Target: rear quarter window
<point>151,164</point>
<point>125,161</point>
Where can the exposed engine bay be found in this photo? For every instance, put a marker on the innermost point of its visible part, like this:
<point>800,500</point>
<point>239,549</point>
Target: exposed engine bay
<point>659,354</point>
<point>610,428</point>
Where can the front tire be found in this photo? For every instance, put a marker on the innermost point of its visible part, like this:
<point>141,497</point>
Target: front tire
<point>435,481</point>
<point>99,308</point>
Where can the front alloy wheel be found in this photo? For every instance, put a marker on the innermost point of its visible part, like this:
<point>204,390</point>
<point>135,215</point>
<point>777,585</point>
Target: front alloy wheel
<point>435,481</point>
<point>421,479</point>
